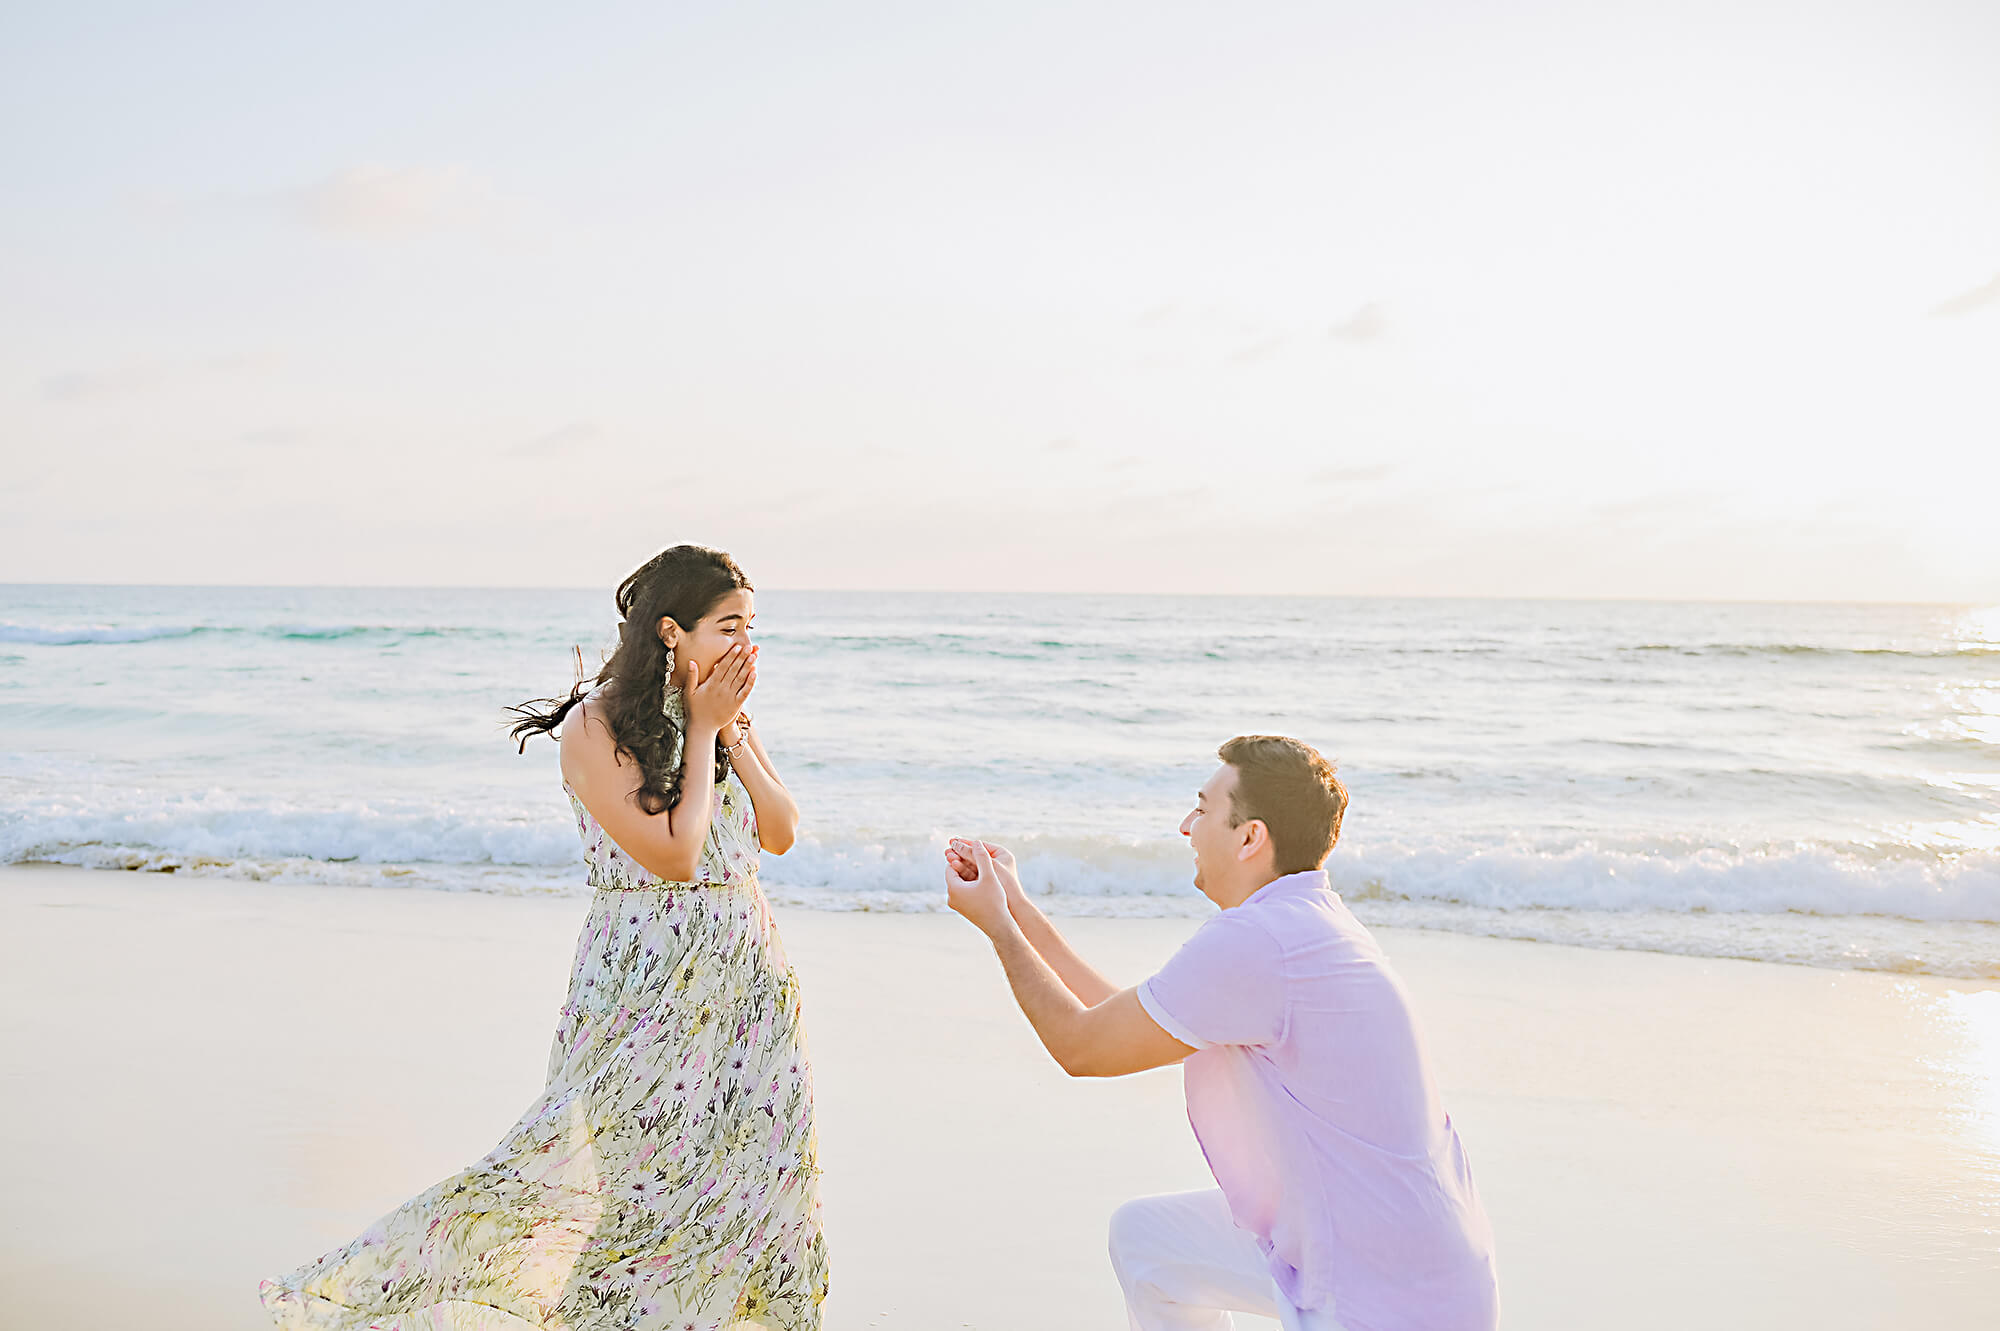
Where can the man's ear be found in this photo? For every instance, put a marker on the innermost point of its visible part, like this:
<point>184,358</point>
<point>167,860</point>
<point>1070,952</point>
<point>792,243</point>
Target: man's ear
<point>1256,836</point>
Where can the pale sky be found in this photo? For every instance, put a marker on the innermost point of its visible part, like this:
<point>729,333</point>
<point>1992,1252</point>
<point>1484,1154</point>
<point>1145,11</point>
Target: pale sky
<point>1538,299</point>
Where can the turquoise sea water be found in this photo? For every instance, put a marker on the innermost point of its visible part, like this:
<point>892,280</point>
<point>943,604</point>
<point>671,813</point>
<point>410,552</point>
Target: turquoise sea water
<point>1818,784</point>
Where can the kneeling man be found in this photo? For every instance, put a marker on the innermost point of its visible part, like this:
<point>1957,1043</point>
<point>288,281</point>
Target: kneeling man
<point>1346,1202</point>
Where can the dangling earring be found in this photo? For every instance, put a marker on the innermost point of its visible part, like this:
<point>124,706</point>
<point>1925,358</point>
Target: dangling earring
<point>669,677</point>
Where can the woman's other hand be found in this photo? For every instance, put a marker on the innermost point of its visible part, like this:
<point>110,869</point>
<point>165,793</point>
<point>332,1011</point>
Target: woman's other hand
<point>714,702</point>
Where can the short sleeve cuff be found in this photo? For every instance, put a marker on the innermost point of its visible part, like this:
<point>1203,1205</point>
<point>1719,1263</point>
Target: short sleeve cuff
<point>1167,1021</point>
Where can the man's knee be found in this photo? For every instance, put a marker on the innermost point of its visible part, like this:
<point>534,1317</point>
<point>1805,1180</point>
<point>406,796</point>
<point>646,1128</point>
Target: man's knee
<point>1130,1223</point>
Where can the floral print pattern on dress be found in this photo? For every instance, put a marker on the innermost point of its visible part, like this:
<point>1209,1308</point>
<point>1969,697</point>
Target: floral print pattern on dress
<point>667,1178</point>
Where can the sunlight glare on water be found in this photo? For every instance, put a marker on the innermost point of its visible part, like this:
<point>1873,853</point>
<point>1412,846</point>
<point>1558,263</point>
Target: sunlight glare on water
<point>1980,626</point>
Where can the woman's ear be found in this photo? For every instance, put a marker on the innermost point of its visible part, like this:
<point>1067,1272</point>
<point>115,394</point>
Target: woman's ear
<point>670,632</point>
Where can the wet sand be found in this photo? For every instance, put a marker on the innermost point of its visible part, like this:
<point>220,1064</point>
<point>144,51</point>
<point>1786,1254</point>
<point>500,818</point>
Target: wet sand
<point>211,1081</point>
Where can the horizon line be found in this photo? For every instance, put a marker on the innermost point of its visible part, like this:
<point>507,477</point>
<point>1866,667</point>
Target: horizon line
<point>961,591</point>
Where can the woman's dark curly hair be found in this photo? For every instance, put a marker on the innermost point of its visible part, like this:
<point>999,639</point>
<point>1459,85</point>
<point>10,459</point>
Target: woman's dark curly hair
<point>684,583</point>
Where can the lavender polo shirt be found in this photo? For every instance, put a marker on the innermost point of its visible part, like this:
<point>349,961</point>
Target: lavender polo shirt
<point>1312,1099</point>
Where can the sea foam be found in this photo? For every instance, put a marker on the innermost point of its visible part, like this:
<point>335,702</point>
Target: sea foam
<point>1816,783</point>
<point>217,828</point>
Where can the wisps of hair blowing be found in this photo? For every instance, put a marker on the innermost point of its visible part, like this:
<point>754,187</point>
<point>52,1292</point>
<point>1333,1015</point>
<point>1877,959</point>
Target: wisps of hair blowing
<point>683,583</point>
<point>1289,787</point>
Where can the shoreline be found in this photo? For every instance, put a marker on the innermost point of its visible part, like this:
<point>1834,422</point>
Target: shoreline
<point>1884,944</point>
<point>244,1074</point>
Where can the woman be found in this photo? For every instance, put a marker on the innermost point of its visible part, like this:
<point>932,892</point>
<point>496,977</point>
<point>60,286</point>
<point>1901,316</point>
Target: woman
<point>668,1176</point>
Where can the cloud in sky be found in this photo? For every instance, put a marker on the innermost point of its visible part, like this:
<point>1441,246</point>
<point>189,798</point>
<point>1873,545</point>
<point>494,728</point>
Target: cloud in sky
<point>1969,302</point>
<point>1669,507</point>
<point>1366,324</point>
<point>377,200</point>
<point>1261,350</point>
<point>667,243</point>
<point>154,204</point>
<point>560,440</point>
<point>120,381</point>
<point>274,436</point>
<point>97,385</point>
<point>1354,475</point>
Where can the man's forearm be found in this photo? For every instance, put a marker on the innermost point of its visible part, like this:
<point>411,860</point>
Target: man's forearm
<point>1075,973</point>
<point>1050,1006</point>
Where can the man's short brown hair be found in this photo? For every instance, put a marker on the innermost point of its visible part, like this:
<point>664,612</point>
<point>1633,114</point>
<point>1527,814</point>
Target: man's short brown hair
<point>1286,785</point>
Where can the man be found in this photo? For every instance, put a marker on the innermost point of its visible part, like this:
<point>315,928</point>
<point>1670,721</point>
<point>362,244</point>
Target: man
<point>1345,1199</point>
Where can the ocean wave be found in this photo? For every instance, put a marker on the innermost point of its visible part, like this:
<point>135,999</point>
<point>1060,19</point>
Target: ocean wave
<point>317,632</point>
<point>1816,649</point>
<point>867,881</point>
<point>1802,880</point>
<point>77,635</point>
<point>1819,880</point>
<point>216,830</point>
<point>70,635</point>
<point>1823,881</point>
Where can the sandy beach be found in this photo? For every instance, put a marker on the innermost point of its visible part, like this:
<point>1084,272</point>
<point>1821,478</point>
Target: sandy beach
<point>1572,427</point>
<point>210,1081</point>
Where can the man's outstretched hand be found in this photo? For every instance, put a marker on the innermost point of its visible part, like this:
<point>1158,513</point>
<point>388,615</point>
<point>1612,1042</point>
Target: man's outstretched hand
<point>958,852</point>
<point>974,886</point>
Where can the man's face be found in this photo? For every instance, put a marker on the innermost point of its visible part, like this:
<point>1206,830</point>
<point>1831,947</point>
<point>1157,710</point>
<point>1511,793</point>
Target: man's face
<point>1208,831</point>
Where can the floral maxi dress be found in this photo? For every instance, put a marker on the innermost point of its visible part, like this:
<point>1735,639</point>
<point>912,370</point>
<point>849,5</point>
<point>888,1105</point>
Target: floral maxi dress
<point>668,1176</point>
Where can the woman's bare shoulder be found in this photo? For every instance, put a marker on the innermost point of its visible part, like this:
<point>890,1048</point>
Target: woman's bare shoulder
<point>586,735</point>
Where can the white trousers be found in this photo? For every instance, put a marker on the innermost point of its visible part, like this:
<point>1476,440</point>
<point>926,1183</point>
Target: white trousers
<point>1185,1266</point>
